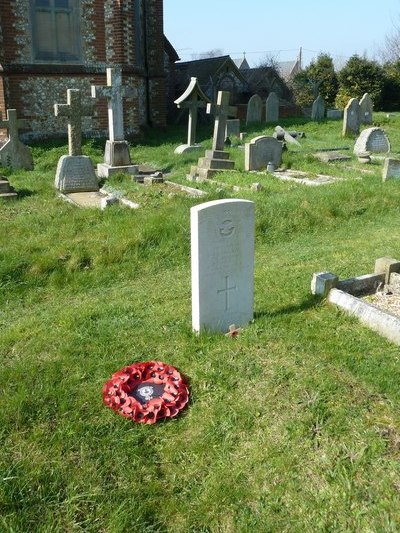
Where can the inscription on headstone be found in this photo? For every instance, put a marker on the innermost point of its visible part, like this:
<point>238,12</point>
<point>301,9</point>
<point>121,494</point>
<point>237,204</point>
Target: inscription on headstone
<point>222,259</point>
<point>372,140</point>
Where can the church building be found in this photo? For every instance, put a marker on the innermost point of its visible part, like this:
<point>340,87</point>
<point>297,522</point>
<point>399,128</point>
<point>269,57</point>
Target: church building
<point>49,46</point>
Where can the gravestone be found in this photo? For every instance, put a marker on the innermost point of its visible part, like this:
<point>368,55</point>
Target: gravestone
<point>318,108</point>
<point>351,118</point>
<point>75,171</point>
<point>116,155</point>
<point>372,140</point>
<point>283,135</point>
<point>222,261</point>
<point>391,169</point>
<point>254,110</point>
<point>6,191</point>
<point>366,109</point>
<point>216,159</point>
<point>331,157</point>
<point>14,153</point>
<point>335,114</point>
<point>192,99</point>
<point>260,151</point>
<point>272,108</point>
<point>232,128</point>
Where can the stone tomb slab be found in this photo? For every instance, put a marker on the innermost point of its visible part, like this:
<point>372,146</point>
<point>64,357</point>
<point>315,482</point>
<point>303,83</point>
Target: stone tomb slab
<point>331,157</point>
<point>262,150</point>
<point>222,261</point>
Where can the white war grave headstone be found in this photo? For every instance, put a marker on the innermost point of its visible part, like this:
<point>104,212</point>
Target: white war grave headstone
<point>318,109</point>
<point>351,118</point>
<point>192,99</point>
<point>75,172</point>
<point>272,108</point>
<point>366,109</point>
<point>116,155</point>
<point>222,261</point>
<point>254,109</point>
<point>14,153</point>
<point>216,159</point>
<point>262,150</point>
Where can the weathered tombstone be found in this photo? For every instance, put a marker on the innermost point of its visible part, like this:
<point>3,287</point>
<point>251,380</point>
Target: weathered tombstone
<point>254,110</point>
<point>75,171</point>
<point>318,108</point>
<point>391,169</point>
<point>366,109</point>
<point>260,151</point>
<point>14,153</point>
<point>331,156</point>
<point>272,108</point>
<point>283,135</point>
<point>335,114</point>
<point>116,155</point>
<point>216,160</point>
<point>222,260</point>
<point>372,140</point>
<point>192,99</point>
<point>232,128</point>
<point>351,118</point>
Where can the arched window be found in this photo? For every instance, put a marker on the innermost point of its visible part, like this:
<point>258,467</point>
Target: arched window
<point>55,30</point>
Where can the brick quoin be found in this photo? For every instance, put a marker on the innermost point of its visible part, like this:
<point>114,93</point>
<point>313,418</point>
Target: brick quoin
<point>107,39</point>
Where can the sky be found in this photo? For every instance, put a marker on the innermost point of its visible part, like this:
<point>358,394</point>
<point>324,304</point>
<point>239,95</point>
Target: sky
<point>277,29</point>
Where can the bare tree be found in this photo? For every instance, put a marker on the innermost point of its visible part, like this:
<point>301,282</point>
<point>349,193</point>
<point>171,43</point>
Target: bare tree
<point>391,49</point>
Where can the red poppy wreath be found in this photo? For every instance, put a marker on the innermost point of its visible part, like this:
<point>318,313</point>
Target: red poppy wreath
<point>146,392</point>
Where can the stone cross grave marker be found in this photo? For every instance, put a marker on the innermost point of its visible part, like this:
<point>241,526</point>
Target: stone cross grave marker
<point>115,92</point>
<point>14,153</point>
<point>272,108</point>
<point>222,260</point>
<point>74,110</point>
<point>222,110</point>
<point>192,99</point>
<point>75,171</point>
<point>254,109</point>
<point>351,118</point>
<point>116,157</point>
<point>366,109</point>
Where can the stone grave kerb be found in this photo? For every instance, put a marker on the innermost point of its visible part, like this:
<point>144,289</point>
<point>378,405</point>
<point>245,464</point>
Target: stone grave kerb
<point>222,110</point>
<point>115,92</point>
<point>192,99</point>
<point>74,110</point>
<point>13,124</point>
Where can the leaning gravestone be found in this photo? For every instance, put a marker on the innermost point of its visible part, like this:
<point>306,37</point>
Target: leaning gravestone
<point>372,140</point>
<point>192,99</point>
<point>14,153</point>
<point>366,109</point>
<point>391,169</point>
<point>254,109</point>
<point>116,155</point>
<point>351,118</point>
<point>216,160</point>
<point>75,172</point>
<point>272,108</point>
<point>222,260</point>
<point>262,150</point>
<point>318,108</point>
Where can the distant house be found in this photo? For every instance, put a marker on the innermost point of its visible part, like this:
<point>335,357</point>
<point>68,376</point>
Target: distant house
<point>288,69</point>
<point>213,74</point>
<point>49,46</point>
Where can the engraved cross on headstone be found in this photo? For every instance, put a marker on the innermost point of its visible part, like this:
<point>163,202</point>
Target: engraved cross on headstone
<point>74,110</point>
<point>12,124</point>
<point>222,111</point>
<point>114,92</point>
<point>225,291</point>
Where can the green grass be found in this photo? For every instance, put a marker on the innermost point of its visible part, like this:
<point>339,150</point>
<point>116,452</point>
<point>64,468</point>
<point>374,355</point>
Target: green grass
<point>293,426</point>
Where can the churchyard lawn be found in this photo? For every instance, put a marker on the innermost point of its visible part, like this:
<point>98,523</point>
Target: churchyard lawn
<point>292,426</point>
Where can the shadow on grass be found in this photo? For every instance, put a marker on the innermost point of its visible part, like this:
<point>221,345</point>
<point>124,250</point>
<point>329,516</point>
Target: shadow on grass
<point>309,303</point>
<point>25,193</point>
